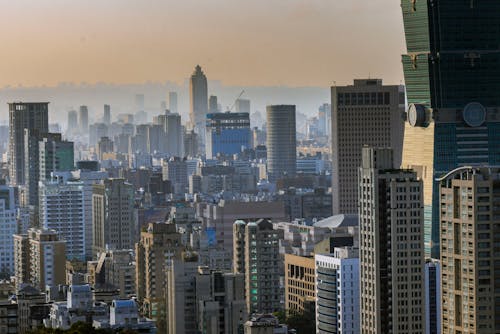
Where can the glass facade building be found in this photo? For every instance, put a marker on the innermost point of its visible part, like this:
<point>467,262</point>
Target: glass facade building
<point>452,76</point>
<point>227,133</point>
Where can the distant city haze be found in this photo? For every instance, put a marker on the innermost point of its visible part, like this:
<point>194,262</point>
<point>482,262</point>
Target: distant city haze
<point>239,42</point>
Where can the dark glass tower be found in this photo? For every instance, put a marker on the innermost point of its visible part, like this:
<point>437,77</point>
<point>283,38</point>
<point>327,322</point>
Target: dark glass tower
<point>452,75</point>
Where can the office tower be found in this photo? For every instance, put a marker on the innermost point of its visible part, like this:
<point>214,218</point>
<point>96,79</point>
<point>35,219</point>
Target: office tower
<point>212,104</point>
<point>243,105</point>
<point>432,296</point>
<point>281,141</point>
<point>172,102</point>
<point>324,119</point>
<point>174,133</point>
<point>227,133</point>
<point>337,291</point>
<point>105,145</point>
<point>156,139</point>
<point>175,170</point>
<point>198,96</point>
<point>32,116</point>
<point>157,246</point>
<point>96,132</point>
<point>55,155</point>
<point>8,222</point>
<point>114,269</point>
<point>113,218</point>
<point>139,102</point>
<point>62,209</point>
<point>32,173</point>
<point>300,276</point>
<point>39,259</point>
<point>260,247</point>
<point>72,122</point>
<point>181,294</point>
<point>470,278</point>
<point>221,300</point>
<point>366,113</point>
<point>106,117</point>
<point>391,246</point>
<point>83,119</point>
<point>451,74</point>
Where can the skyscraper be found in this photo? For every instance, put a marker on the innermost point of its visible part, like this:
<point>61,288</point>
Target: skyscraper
<point>391,246</point>
<point>174,134</point>
<point>227,133</point>
<point>452,75</point>
<point>8,222</point>
<point>55,155</point>
<point>243,105</point>
<point>72,122</point>
<point>281,141</point>
<point>365,113</point>
<point>83,119</point>
<point>172,102</point>
<point>198,96</point>
<point>113,219</point>
<point>470,280</point>
<point>106,117</point>
<point>33,116</point>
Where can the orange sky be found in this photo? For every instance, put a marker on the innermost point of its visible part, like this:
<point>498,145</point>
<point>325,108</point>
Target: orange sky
<point>240,42</point>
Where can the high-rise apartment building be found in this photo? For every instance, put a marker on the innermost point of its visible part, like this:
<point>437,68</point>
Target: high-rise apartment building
<point>172,102</point>
<point>221,300</point>
<point>451,74</point>
<point>227,134</point>
<point>32,116</point>
<point>470,279</point>
<point>8,223</point>
<point>174,135</point>
<point>391,246</point>
<point>158,244</point>
<point>259,248</point>
<point>55,156</point>
<point>40,259</point>
<point>337,291</point>
<point>365,113</point>
<point>62,209</point>
<point>175,170</point>
<point>198,96</point>
<point>281,141</point>
<point>113,218</point>
<point>83,119</point>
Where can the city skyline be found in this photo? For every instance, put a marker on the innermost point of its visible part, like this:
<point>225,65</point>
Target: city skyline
<point>296,43</point>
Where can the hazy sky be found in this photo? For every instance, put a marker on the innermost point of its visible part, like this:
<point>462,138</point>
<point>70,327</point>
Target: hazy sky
<point>240,42</point>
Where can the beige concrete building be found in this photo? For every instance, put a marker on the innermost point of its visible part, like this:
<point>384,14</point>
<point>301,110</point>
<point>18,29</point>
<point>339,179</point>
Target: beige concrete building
<point>299,284</point>
<point>470,282</point>
<point>40,259</point>
<point>391,246</point>
<point>158,245</point>
<point>113,217</point>
<point>365,113</point>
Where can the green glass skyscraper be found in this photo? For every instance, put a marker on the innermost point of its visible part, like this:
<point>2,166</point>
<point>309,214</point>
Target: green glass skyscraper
<point>452,75</point>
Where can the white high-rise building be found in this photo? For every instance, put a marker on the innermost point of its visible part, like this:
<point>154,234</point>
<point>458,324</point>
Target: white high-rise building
<point>62,209</point>
<point>337,291</point>
<point>8,227</point>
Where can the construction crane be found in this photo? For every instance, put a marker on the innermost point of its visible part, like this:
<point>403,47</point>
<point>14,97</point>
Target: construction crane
<point>231,109</point>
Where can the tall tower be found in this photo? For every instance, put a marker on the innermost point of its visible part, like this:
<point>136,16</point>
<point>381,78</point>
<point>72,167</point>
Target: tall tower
<point>72,122</point>
<point>172,102</point>
<point>198,97</point>
<point>365,113</point>
<point>106,117</point>
<point>33,116</point>
<point>470,278</point>
<point>281,141</point>
<point>83,119</point>
<point>391,246</point>
<point>452,75</point>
